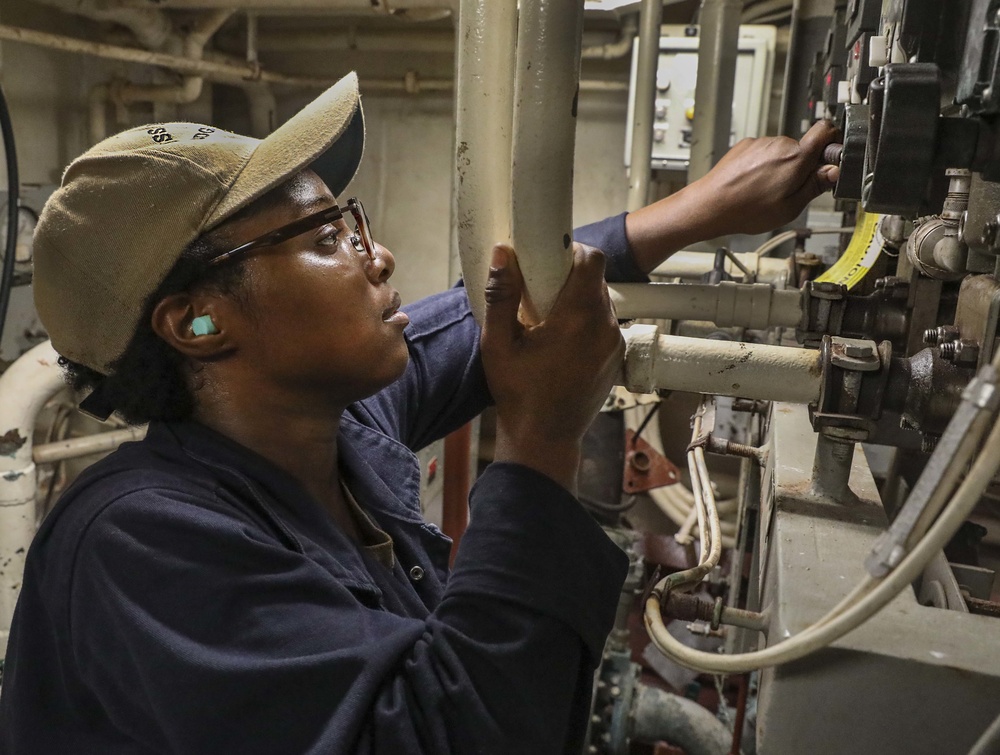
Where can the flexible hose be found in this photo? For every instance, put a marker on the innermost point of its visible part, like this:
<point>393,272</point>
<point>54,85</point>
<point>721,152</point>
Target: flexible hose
<point>774,243</point>
<point>865,601</point>
<point>10,250</point>
<point>867,598</point>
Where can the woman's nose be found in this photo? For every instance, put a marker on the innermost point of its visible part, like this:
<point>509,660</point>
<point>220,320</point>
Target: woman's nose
<point>383,264</point>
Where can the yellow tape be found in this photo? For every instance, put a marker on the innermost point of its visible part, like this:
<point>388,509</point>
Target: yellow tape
<point>861,253</point>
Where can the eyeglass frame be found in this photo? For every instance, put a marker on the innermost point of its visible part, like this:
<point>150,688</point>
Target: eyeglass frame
<point>361,239</point>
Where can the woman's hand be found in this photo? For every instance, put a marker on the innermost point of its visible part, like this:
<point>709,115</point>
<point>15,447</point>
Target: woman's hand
<point>549,380</point>
<point>759,185</point>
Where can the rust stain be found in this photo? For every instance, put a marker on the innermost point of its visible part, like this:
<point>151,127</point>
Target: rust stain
<point>11,442</point>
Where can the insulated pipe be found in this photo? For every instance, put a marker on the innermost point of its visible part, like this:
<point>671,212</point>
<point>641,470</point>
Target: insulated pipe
<point>659,715</point>
<point>151,26</point>
<point>750,305</point>
<point>617,49</point>
<point>484,72</point>
<point>696,264</point>
<point>263,109</point>
<point>190,88</point>
<point>648,56</point>
<point>97,103</point>
<point>713,95</point>
<point>546,83</point>
<point>24,388</point>
<point>71,448</point>
<point>724,368</point>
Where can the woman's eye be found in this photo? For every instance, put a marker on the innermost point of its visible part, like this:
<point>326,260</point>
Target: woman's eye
<point>329,236</point>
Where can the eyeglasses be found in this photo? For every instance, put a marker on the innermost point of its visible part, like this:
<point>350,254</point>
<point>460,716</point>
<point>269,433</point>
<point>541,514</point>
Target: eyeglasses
<point>361,238</point>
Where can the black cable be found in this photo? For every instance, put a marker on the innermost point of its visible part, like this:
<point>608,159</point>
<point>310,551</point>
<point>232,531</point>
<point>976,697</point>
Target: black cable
<point>645,421</point>
<point>7,273</point>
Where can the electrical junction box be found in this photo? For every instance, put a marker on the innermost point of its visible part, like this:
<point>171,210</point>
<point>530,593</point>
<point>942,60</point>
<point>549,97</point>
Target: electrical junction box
<point>676,79</point>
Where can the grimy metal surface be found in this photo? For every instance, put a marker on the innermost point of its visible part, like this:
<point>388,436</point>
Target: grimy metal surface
<point>913,680</point>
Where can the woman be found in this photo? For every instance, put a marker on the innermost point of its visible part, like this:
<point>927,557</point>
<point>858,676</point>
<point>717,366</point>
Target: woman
<point>255,575</point>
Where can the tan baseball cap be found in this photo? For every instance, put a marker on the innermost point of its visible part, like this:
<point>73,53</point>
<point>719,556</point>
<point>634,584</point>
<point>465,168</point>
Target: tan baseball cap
<point>129,206</point>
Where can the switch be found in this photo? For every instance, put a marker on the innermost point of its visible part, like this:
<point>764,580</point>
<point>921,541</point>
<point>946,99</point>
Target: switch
<point>659,135</point>
<point>689,112</point>
<point>661,113</point>
<point>843,92</point>
<point>662,80</point>
<point>878,51</point>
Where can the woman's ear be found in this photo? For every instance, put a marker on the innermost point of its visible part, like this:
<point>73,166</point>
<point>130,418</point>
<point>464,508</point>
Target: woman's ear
<point>193,325</point>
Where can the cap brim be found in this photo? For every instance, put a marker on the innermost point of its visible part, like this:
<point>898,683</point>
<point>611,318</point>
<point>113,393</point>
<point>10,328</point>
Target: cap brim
<point>327,135</point>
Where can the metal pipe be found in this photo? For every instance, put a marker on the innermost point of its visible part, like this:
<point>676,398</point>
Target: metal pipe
<point>546,83</point>
<point>24,388</point>
<point>484,108</point>
<point>809,25</point>
<point>283,7</point>
<point>695,264</point>
<point>659,715</point>
<point>263,109</point>
<point>151,26</point>
<point>617,49</point>
<point>190,87</point>
<point>97,103</point>
<point>643,106</point>
<point>750,305</point>
<point>713,95</point>
<point>71,448</point>
<point>455,495</point>
<point>724,368</point>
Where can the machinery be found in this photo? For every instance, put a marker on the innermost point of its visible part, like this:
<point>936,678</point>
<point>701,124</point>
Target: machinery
<point>902,334</point>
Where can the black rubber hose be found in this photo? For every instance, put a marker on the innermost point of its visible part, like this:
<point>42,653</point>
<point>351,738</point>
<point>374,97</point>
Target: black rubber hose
<point>7,273</point>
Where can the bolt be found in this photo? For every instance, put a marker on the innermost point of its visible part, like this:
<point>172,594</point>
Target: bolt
<point>858,350</point>
<point>907,424</point>
<point>947,351</point>
<point>989,233</point>
<point>931,336</point>
<point>928,442</point>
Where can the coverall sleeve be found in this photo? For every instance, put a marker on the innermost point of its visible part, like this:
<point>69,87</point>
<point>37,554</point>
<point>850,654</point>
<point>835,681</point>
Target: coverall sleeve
<point>198,632</point>
<point>444,385</point>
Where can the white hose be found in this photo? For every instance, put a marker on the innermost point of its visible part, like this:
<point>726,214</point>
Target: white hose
<point>865,600</point>
<point>773,243</point>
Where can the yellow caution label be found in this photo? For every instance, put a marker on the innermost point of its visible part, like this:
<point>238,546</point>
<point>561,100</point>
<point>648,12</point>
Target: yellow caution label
<point>865,247</point>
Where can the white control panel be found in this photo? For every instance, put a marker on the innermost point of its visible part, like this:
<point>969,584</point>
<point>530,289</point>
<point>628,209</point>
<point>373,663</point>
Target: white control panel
<point>676,79</point>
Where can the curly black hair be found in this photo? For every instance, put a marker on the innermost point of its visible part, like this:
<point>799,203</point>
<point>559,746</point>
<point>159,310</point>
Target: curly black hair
<point>150,380</point>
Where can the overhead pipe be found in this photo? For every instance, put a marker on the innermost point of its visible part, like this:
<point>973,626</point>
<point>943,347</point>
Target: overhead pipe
<point>24,388</point>
<point>190,88</point>
<point>718,41</point>
<point>546,85</point>
<point>263,109</point>
<point>723,368</point>
<point>644,104</point>
<point>751,305</point>
<point>376,7</point>
<point>150,26</point>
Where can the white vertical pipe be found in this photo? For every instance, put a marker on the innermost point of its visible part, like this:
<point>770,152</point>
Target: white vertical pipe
<point>484,117</point>
<point>24,388</point>
<point>718,42</point>
<point>547,86</point>
<point>644,106</point>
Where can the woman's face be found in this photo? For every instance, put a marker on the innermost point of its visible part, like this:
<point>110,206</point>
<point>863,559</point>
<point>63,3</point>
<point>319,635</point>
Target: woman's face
<point>321,319</point>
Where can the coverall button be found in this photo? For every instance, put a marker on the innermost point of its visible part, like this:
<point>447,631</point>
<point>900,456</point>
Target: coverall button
<point>416,573</point>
